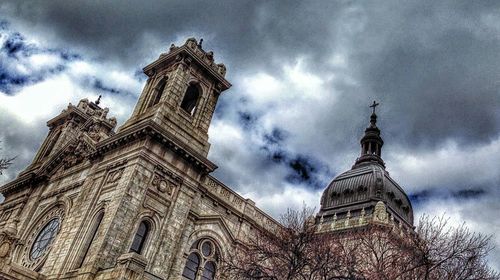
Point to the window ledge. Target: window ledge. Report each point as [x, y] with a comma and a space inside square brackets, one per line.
[132, 258]
[186, 115]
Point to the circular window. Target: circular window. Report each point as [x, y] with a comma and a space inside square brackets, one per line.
[44, 239]
[206, 248]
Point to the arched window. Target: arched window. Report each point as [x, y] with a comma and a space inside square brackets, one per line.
[202, 259]
[45, 238]
[158, 92]
[140, 237]
[192, 265]
[89, 239]
[209, 271]
[190, 99]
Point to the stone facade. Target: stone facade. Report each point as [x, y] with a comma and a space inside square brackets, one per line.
[90, 193]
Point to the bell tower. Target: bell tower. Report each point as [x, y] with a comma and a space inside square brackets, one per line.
[181, 93]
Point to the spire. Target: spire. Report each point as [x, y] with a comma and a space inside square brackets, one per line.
[371, 143]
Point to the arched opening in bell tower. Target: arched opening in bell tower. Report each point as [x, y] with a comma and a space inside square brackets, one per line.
[190, 99]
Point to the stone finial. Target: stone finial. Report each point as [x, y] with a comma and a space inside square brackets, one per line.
[334, 221]
[362, 217]
[172, 47]
[348, 218]
[221, 68]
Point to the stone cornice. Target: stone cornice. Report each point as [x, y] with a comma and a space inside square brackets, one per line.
[141, 130]
[155, 131]
[42, 172]
[20, 182]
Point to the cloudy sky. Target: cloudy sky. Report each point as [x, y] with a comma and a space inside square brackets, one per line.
[303, 75]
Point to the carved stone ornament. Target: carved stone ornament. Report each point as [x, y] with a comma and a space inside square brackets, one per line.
[4, 249]
[162, 184]
[114, 176]
[8, 240]
[380, 213]
[76, 155]
[94, 132]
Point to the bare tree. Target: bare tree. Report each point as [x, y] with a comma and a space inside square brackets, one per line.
[446, 252]
[293, 251]
[434, 250]
[5, 162]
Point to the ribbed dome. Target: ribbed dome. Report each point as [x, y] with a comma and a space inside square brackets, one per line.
[362, 187]
[357, 191]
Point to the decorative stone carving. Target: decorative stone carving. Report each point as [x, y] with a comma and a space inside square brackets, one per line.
[380, 212]
[162, 184]
[94, 132]
[114, 176]
[76, 155]
[8, 241]
[4, 249]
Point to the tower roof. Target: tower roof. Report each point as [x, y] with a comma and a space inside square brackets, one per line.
[192, 52]
[367, 183]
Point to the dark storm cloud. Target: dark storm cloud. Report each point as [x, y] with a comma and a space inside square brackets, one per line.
[248, 32]
[423, 196]
[438, 70]
[16, 71]
[306, 170]
[428, 62]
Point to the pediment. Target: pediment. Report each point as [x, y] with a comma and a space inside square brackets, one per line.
[214, 224]
[74, 153]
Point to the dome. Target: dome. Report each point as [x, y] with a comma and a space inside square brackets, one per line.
[357, 191]
[361, 188]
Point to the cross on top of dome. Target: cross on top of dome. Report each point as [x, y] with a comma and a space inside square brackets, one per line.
[374, 105]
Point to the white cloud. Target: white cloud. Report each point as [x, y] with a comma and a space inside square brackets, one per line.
[288, 196]
[449, 166]
[39, 101]
[41, 61]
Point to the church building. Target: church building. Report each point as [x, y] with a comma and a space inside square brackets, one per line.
[138, 202]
